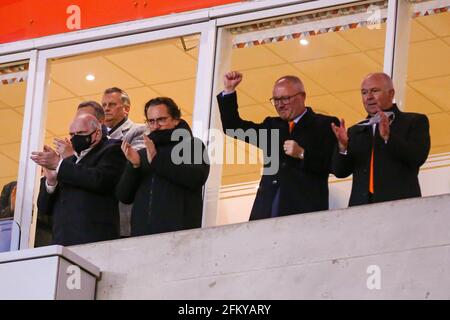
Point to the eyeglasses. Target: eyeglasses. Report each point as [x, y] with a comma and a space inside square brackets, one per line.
[372, 91]
[160, 121]
[284, 100]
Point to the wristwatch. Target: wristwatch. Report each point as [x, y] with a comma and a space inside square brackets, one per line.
[302, 155]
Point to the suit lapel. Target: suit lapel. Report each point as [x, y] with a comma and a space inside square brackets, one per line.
[362, 139]
[92, 153]
[303, 123]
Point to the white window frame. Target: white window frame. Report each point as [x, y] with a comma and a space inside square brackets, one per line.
[205, 21]
[35, 132]
[224, 19]
[23, 186]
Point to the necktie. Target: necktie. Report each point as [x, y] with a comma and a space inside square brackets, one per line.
[371, 188]
[371, 173]
[291, 126]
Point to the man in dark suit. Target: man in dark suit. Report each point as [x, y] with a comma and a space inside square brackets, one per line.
[304, 147]
[79, 191]
[115, 102]
[385, 151]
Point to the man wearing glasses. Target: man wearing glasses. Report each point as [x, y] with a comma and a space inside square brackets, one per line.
[306, 144]
[166, 190]
[385, 151]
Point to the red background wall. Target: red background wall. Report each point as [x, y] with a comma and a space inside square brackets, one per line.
[26, 19]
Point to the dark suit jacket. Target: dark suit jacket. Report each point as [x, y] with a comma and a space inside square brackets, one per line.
[396, 163]
[83, 206]
[303, 184]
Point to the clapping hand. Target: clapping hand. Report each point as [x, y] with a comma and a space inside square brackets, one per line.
[63, 147]
[341, 135]
[131, 154]
[48, 158]
[383, 126]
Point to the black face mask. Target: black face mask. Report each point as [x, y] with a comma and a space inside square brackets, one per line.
[81, 142]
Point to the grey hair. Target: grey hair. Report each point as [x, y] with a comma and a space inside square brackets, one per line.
[388, 83]
[98, 110]
[292, 79]
[94, 124]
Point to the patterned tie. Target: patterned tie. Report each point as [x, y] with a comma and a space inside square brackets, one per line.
[291, 126]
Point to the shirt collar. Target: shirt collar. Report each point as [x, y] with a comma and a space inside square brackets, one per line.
[82, 154]
[111, 130]
[297, 119]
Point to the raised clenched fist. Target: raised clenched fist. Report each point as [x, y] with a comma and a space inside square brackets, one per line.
[231, 80]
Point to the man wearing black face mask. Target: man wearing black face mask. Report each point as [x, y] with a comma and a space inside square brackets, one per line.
[117, 104]
[78, 191]
[64, 146]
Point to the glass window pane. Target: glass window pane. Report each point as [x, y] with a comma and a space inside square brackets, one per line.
[331, 50]
[145, 71]
[428, 78]
[13, 81]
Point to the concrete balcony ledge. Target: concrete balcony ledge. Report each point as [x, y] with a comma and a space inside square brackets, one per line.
[393, 250]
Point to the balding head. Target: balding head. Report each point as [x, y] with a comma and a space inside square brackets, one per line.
[382, 78]
[377, 91]
[85, 120]
[288, 97]
[293, 80]
[92, 107]
[86, 125]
